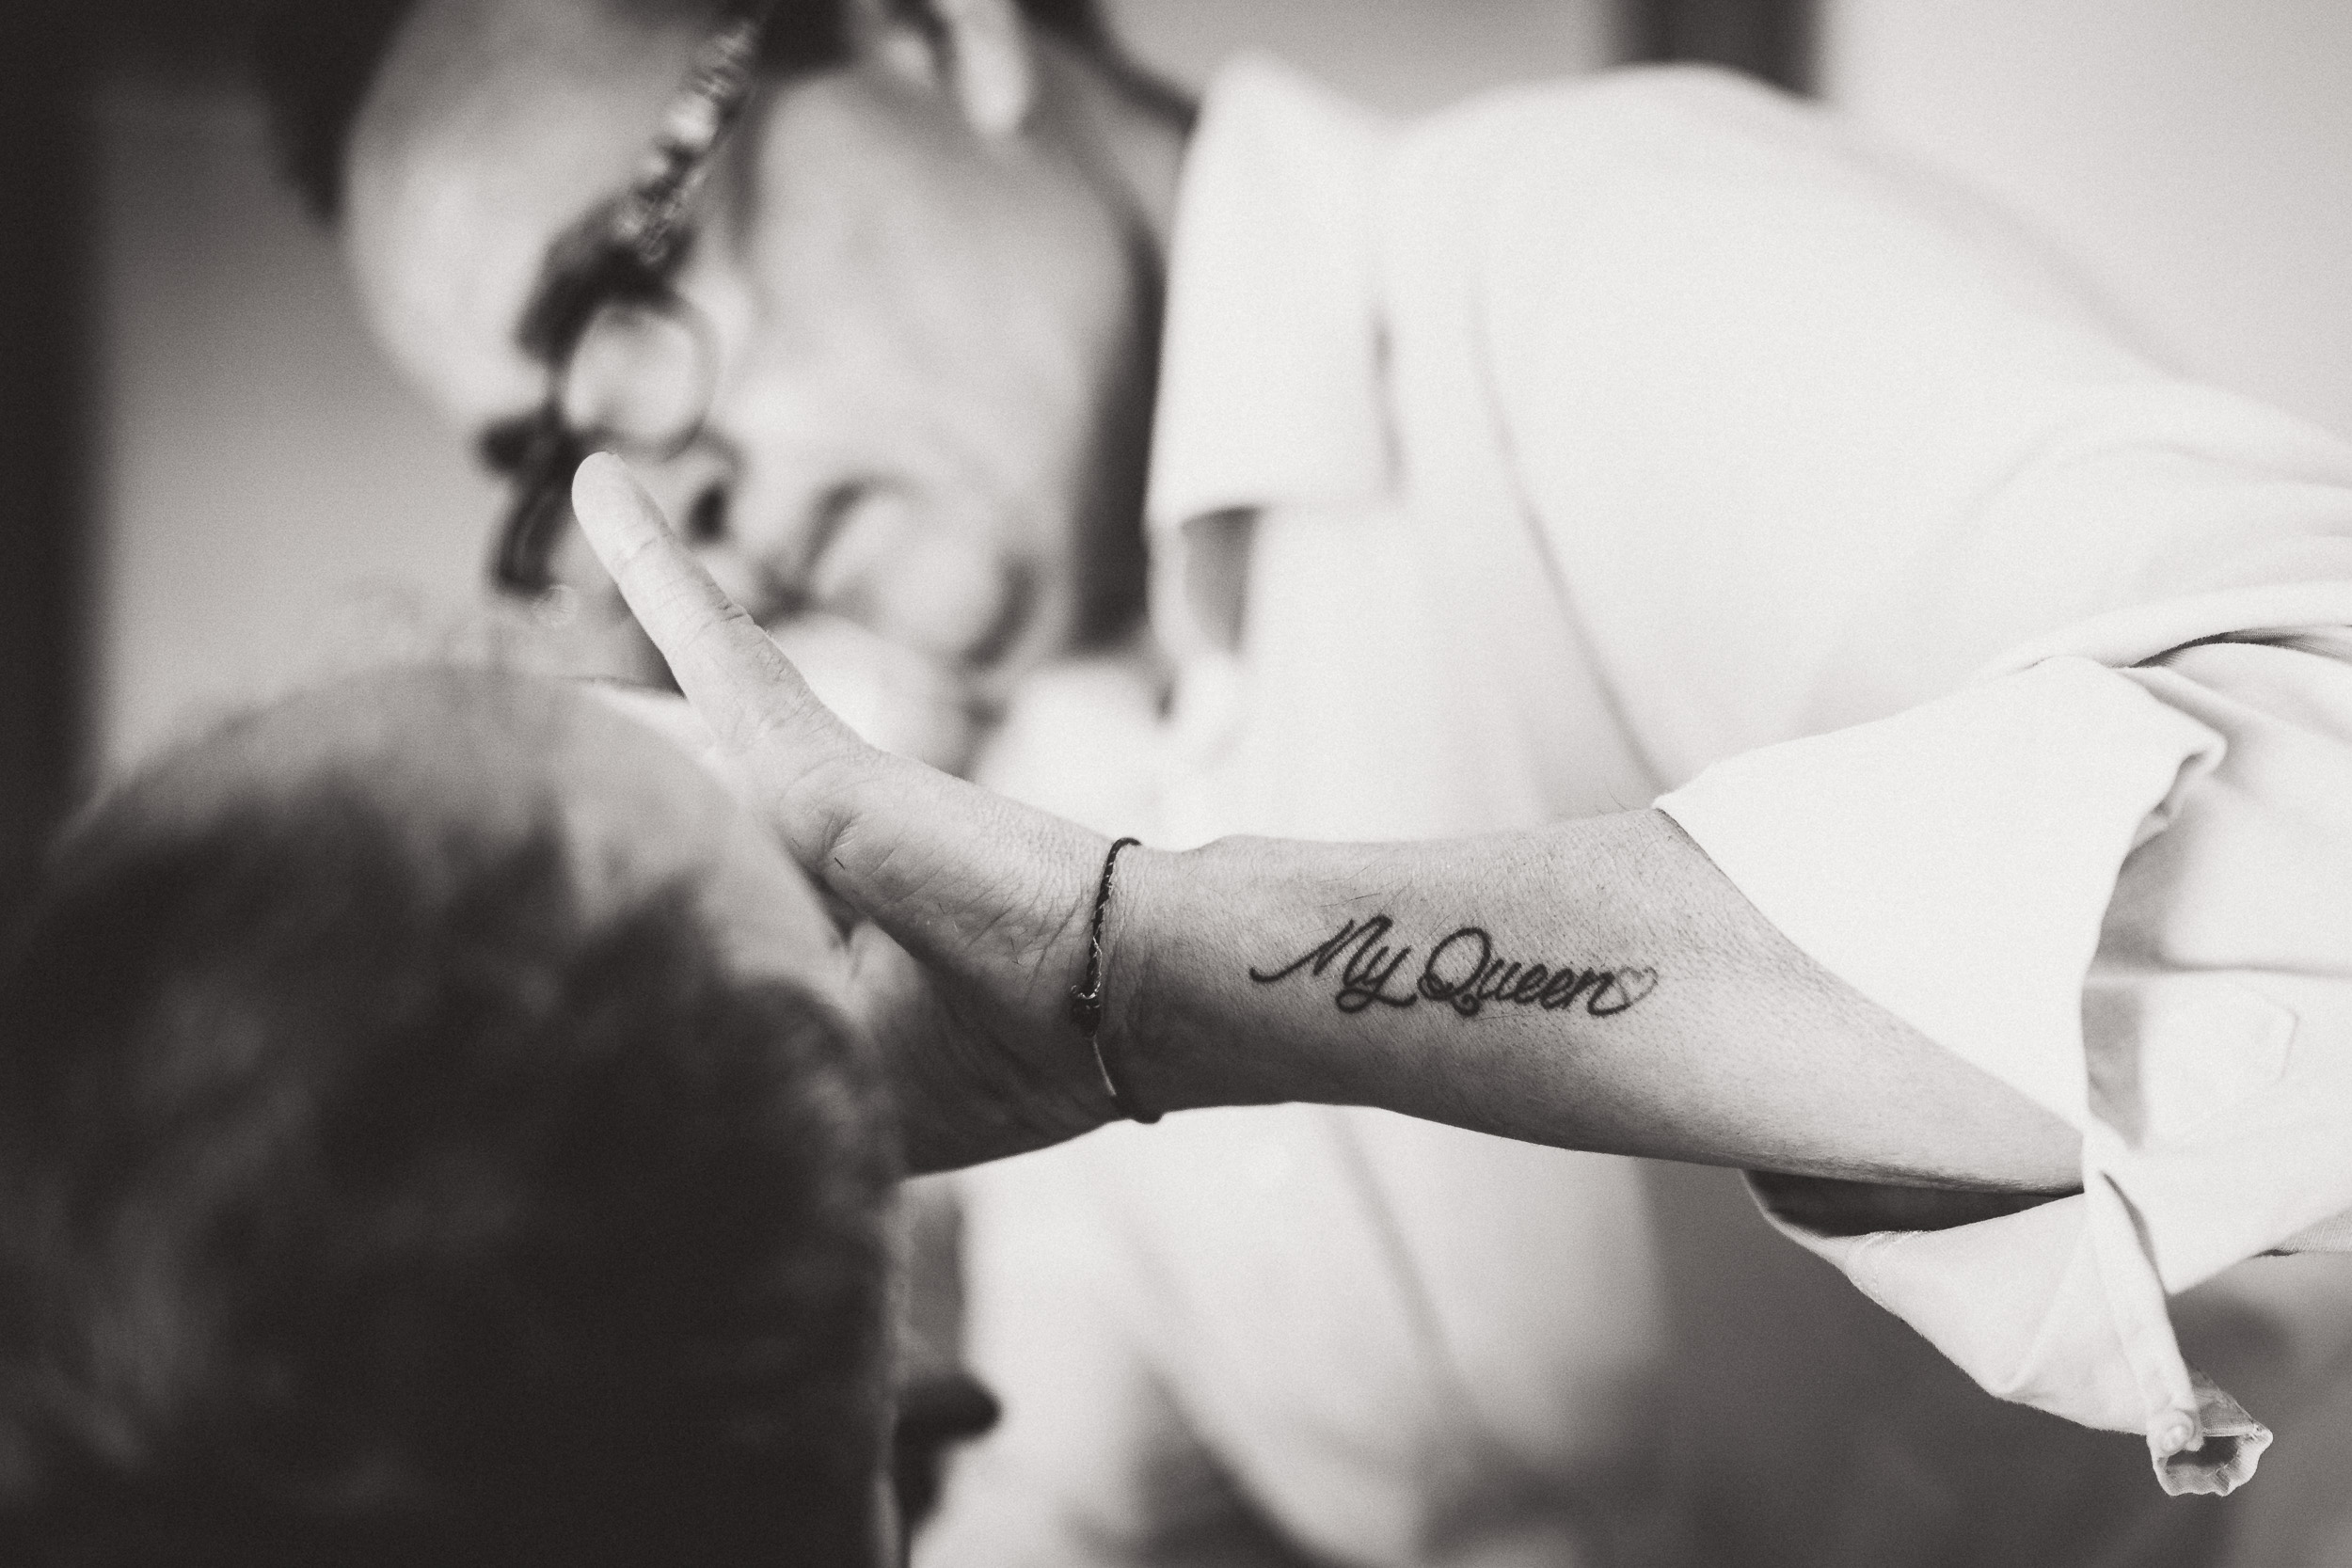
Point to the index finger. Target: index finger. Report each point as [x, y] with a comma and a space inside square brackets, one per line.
[729, 669]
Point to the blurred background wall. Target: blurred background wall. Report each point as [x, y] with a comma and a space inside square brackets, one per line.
[45, 178]
[262, 475]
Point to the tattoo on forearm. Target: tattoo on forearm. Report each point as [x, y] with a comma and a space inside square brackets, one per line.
[1461, 972]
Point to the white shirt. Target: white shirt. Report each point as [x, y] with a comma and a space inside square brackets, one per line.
[1652, 439]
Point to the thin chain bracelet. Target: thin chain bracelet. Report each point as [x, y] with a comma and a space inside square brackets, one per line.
[1085, 999]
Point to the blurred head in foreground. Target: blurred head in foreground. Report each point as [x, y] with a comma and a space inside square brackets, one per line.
[428, 1135]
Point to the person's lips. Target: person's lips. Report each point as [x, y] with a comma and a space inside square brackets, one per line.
[896, 697]
[914, 578]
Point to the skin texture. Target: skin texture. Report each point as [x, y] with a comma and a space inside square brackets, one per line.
[1717, 1041]
[932, 274]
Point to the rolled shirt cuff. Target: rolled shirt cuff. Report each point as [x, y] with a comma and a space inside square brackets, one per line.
[1955, 864]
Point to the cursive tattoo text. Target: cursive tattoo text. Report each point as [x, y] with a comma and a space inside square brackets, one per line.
[1461, 972]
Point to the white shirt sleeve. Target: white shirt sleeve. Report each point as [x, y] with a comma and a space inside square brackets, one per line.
[2003, 671]
[2127, 893]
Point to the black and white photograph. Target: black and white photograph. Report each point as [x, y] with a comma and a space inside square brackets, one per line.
[1176, 783]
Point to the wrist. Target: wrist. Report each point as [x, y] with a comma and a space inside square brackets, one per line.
[1087, 998]
[1134, 1041]
[1174, 940]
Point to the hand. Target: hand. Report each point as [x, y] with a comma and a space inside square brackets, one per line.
[976, 910]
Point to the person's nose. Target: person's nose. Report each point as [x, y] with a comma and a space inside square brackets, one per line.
[782, 473]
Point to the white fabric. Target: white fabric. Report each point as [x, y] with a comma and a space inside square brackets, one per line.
[1650, 435]
[2202, 1046]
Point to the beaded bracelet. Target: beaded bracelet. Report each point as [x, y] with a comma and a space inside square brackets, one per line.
[1085, 999]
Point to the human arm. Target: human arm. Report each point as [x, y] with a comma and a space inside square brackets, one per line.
[2062, 634]
[1700, 1033]
[1596, 984]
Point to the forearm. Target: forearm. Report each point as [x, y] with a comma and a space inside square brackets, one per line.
[1596, 984]
[1672, 1019]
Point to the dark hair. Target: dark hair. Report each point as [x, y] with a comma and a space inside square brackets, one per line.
[364, 1201]
[314, 60]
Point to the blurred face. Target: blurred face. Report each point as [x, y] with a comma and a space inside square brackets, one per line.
[930, 306]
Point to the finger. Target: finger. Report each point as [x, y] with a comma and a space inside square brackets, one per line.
[729, 669]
